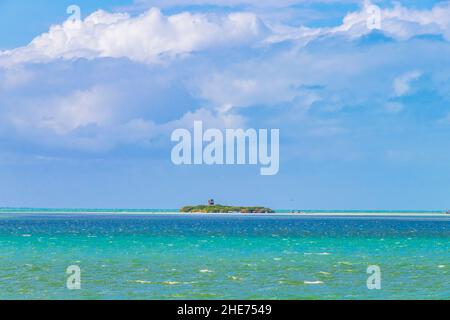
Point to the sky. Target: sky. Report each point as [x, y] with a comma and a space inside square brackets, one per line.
[87, 107]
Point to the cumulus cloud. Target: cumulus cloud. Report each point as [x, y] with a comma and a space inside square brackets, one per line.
[229, 88]
[398, 22]
[84, 119]
[63, 114]
[280, 76]
[149, 38]
[153, 37]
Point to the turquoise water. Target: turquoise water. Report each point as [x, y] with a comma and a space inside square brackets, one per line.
[100, 211]
[229, 257]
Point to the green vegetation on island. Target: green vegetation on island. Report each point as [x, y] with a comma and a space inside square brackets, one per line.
[224, 209]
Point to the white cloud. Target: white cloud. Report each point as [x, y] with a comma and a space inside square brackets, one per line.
[91, 119]
[14, 78]
[210, 119]
[248, 84]
[97, 105]
[153, 37]
[62, 115]
[148, 38]
[398, 22]
[103, 139]
[402, 84]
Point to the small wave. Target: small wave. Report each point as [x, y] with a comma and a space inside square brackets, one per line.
[317, 253]
[143, 282]
[350, 271]
[205, 271]
[165, 283]
[250, 264]
[441, 266]
[313, 282]
[26, 235]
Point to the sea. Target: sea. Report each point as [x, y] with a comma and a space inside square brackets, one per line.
[161, 254]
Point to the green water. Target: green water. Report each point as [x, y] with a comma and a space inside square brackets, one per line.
[169, 257]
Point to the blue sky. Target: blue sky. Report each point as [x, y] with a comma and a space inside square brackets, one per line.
[86, 109]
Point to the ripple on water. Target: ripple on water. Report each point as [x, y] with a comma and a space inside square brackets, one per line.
[164, 283]
[227, 262]
[313, 282]
[345, 263]
[205, 271]
[143, 282]
[317, 253]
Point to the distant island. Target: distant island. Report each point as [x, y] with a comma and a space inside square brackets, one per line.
[217, 208]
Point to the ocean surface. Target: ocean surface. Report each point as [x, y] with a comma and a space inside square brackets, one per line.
[222, 257]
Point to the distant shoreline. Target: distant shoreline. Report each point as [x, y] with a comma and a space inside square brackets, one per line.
[279, 214]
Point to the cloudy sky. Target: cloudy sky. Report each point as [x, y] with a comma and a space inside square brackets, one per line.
[87, 107]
